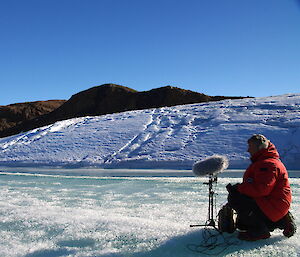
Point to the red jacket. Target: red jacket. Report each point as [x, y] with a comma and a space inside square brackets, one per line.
[266, 180]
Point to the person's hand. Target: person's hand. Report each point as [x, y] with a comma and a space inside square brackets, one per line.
[230, 188]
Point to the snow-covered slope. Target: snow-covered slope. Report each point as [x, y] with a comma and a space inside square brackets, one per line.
[171, 137]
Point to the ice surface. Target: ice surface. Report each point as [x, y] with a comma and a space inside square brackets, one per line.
[54, 215]
[141, 213]
[170, 138]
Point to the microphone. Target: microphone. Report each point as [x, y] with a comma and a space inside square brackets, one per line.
[210, 166]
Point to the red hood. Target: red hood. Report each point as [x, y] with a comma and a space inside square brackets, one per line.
[270, 152]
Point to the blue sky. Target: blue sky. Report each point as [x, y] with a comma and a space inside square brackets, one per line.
[51, 49]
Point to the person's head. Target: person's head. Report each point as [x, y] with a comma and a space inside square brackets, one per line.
[256, 143]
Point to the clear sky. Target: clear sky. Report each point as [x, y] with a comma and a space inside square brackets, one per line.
[52, 49]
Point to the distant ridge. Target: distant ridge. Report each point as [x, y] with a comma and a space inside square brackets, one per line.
[14, 114]
[107, 99]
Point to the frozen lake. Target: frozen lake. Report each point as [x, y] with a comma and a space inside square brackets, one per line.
[93, 214]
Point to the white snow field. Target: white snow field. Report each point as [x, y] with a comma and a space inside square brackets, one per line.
[50, 210]
[167, 138]
[56, 215]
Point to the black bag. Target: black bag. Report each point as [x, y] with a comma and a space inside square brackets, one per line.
[226, 219]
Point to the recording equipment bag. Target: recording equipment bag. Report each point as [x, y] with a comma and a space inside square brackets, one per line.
[226, 219]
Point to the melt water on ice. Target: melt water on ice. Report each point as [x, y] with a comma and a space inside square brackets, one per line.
[62, 215]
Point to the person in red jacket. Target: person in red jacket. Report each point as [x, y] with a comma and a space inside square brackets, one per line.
[262, 201]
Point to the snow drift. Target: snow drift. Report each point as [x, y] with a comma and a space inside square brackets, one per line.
[173, 137]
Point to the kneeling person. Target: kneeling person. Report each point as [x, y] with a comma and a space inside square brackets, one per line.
[263, 199]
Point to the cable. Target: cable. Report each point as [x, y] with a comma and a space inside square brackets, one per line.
[213, 240]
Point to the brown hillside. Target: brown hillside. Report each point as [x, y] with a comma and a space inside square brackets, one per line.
[14, 114]
[111, 98]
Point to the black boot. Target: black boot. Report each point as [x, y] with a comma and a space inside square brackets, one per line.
[287, 223]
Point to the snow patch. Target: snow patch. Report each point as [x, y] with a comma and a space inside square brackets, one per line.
[169, 137]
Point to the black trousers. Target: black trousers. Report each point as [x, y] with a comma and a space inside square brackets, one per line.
[249, 215]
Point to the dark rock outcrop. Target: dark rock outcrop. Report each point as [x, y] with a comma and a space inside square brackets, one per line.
[111, 98]
[14, 114]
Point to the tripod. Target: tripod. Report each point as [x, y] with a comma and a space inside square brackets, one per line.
[213, 243]
[211, 204]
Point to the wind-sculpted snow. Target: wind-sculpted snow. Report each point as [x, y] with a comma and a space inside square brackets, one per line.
[47, 216]
[173, 137]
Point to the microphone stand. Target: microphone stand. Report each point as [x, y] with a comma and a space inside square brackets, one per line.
[211, 205]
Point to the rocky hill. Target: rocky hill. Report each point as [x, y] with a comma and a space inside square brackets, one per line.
[14, 114]
[104, 99]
